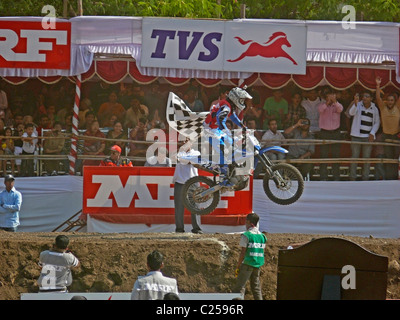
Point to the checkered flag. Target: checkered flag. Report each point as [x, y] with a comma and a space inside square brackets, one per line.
[184, 120]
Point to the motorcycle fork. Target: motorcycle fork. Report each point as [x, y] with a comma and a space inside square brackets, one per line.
[275, 175]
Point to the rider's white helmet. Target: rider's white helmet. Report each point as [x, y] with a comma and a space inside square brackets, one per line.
[238, 96]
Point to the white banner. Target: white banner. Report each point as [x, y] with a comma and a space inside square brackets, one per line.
[265, 48]
[223, 46]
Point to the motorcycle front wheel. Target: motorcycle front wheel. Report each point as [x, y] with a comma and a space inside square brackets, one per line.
[191, 200]
[286, 184]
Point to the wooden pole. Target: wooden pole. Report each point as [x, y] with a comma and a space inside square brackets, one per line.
[65, 8]
[80, 8]
[242, 11]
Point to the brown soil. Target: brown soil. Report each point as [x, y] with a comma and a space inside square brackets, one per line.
[200, 263]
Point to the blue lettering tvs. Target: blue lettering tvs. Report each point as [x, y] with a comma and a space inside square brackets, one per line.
[187, 46]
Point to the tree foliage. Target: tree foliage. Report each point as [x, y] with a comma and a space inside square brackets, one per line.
[372, 10]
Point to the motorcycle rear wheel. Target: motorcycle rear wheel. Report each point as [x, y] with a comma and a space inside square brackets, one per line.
[285, 186]
[201, 206]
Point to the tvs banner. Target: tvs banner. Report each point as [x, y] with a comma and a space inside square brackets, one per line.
[224, 46]
[145, 191]
[27, 45]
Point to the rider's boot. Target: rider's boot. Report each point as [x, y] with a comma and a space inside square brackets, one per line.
[226, 182]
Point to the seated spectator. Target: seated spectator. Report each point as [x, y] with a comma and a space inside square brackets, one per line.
[112, 106]
[117, 133]
[68, 108]
[301, 131]
[53, 146]
[99, 93]
[115, 160]
[18, 118]
[7, 145]
[160, 159]
[135, 111]
[51, 114]
[154, 285]
[251, 123]
[139, 133]
[90, 116]
[44, 124]
[93, 147]
[84, 107]
[275, 107]
[67, 127]
[194, 104]
[29, 139]
[109, 124]
[296, 111]
[272, 137]
[125, 94]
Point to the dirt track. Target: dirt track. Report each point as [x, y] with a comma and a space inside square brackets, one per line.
[200, 263]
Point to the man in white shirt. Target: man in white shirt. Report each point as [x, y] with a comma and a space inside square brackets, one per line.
[154, 285]
[56, 267]
[183, 172]
[272, 137]
[29, 138]
[310, 104]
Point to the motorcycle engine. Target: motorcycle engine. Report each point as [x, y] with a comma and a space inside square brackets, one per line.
[240, 182]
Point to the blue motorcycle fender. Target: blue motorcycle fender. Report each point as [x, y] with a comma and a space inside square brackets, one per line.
[273, 148]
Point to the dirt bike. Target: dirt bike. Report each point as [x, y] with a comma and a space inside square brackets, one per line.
[282, 182]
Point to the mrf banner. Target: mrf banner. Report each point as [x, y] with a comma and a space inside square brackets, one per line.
[25, 44]
[224, 45]
[145, 191]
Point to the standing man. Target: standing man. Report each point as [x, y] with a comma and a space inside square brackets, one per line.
[56, 267]
[275, 107]
[183, 172]
[10, 205]
[251, 257]
[329, 123]
[154, 285]
[310, 104]
[390, 116]
[366, 122]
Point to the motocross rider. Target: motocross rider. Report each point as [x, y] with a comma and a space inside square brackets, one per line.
[215, 124]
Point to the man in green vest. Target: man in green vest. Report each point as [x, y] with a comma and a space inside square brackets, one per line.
[251, 258]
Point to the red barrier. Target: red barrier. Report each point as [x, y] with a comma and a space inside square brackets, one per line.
[145, 195]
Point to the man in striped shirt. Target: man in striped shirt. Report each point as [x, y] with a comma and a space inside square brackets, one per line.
[365, 124]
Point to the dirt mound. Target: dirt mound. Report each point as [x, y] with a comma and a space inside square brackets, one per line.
[200, 263]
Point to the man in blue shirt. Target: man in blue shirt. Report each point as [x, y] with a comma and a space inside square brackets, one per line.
[10, 205]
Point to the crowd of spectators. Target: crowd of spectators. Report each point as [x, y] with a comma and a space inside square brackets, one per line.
[39, 116]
